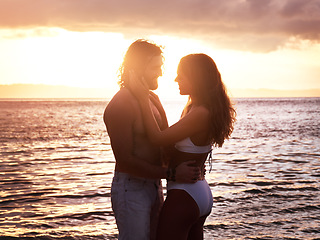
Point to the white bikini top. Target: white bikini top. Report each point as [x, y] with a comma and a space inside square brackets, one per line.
[186, 145]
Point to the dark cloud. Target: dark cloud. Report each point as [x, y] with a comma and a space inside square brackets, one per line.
[253, 24]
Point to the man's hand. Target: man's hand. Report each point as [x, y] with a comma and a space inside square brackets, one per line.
[186, 173]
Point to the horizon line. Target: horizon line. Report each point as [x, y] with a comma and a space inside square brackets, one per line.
[30, 90]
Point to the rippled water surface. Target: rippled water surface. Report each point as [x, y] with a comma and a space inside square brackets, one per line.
[56, 169]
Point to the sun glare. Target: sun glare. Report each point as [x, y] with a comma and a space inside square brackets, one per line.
[68, 58]
[55, 56]
[173, 50]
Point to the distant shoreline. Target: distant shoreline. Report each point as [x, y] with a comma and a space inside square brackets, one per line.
[42, 91]
[166, 101]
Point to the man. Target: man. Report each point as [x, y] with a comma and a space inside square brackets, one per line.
[136, 192]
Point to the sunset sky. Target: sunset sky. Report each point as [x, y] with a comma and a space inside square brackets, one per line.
[269, 44]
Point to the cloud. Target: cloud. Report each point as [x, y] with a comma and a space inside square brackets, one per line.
[260, 25]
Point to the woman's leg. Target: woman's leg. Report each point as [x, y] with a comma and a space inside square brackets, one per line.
[179, 213]
[196, 231]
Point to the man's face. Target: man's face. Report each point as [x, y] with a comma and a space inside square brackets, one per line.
[152, 71]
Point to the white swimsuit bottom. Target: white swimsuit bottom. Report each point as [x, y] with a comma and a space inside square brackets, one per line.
[199, 191]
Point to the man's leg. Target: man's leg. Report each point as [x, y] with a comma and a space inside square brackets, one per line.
[155, 211]
[131, 203]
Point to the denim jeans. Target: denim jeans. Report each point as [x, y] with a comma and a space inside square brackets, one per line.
[136, 204]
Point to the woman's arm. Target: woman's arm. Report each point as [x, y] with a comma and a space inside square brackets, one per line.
[156, 101]
[194, 122]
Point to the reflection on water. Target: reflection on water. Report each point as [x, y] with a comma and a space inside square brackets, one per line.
[56, 169]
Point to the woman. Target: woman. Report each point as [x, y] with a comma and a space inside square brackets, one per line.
[207, 120]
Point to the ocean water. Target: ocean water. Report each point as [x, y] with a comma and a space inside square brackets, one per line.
[56, 167]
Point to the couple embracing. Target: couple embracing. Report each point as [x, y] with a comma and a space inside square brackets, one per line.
[147, 150]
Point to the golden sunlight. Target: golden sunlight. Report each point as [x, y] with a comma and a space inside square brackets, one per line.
[65, 58]
[173, 50]
[90, 60]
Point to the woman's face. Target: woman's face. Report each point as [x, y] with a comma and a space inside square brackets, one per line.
[184, 83]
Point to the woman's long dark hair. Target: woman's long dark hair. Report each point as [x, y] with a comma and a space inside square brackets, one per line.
[205, 78]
